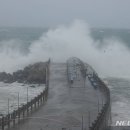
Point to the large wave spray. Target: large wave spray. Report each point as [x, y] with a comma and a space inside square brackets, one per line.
[112, 59]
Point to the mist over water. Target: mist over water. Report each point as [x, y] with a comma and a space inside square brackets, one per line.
[109, 59]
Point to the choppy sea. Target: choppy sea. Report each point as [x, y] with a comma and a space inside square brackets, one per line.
[22, 46]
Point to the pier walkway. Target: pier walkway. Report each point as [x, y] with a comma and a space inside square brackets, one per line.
[68, 107]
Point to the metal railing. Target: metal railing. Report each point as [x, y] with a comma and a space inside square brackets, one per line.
[104, 115]
[11, 119]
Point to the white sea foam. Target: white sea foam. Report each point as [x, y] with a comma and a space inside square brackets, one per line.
[112, 59]
[120, 110]
[120, 98]
[10, 91]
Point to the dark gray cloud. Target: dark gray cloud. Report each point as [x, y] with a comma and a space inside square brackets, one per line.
[98, 13]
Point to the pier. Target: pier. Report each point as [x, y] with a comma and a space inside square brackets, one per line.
[76, 99]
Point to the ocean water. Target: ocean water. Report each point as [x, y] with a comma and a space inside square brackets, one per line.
[9, 94]
[119, 85]
[107, 50]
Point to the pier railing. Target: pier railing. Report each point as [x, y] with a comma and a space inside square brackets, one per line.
[11, 119]
[104, 115]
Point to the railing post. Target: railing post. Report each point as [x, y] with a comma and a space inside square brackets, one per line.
[31, 106]
[35, 103]
[18, 115]
[13, 118]
[27, 110]
[8, 121]
[3, 123]
[43, 99]
[98, 106]
[23, 111]
[27, 101]
[38, 101]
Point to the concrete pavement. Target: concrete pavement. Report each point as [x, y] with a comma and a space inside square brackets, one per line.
[70, 107]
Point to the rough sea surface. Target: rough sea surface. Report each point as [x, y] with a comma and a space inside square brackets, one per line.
[22, 46]
[17, 93]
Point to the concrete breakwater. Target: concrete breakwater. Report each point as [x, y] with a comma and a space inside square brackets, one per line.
[23, 112]
[81, 104]
[103, 120]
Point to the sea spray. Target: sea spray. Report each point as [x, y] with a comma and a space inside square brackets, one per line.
[111, 59]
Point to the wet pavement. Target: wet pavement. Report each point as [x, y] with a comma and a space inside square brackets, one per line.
[69, 107]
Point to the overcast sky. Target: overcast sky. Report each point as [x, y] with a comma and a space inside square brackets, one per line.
[97, 13]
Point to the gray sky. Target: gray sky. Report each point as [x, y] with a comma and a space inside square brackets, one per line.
[98, 13]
